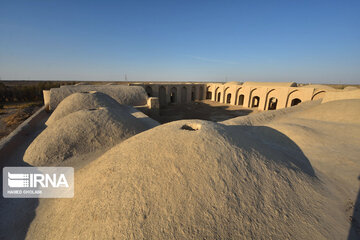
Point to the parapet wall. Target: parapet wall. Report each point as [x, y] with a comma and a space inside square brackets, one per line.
[174, 92]
[127, 95]
[262, 96]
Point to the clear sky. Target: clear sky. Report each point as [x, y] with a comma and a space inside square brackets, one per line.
[187, 40]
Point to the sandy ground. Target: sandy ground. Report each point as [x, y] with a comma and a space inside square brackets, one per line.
[12, 115]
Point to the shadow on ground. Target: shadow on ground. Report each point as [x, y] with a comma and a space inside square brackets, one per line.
[354, 232]
[16, 214]
[203, 110]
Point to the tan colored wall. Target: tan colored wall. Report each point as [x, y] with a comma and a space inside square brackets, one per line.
[46, 95]
[183, 92]
[285, 93]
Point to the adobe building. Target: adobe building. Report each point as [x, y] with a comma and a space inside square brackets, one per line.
[260, 95]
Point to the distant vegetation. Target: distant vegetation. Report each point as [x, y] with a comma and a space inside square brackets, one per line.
[26, 92]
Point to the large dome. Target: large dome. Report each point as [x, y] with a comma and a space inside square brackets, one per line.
[191, 180]
[81, 132]
[80, 101]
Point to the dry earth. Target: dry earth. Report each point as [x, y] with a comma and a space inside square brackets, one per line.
[12, 115]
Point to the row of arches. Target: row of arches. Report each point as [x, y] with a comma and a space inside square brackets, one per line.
[258, 97]
[174, 95]
[228, 97]
[254, 98]
[177, 94]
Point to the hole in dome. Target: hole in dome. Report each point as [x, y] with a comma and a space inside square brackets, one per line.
[191, 127]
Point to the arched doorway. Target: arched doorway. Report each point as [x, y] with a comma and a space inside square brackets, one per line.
[272, 103]
[216, 94]
[148, 90]
[208, 93]
[253, 93]
[225, 95]
[193, 94]
[255, 101]
[201, 93]
[228, 98]
[241, 100]
[183, 95]
[319, 95]
[173, 95]
[219, 97]
[295, 102]
[162, 96]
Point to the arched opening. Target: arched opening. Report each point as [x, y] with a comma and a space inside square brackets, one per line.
[296, 94]
[216, 94]
[272, 103]
[319, 95]
[253, 93]
[162, 96]
[183, 94]
[201, 93]
[295, 102]
[173, 95]
[225, 95]
[219, 97]
[148, 90]
[208, 93]
[255, 102]
[237, 96]
[193, 94]
[241, 100]
[228, 98]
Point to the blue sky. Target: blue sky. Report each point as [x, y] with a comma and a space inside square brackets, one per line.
[293, 40]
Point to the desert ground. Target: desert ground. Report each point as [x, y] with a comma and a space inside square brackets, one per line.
[291, 173]
[12, 115]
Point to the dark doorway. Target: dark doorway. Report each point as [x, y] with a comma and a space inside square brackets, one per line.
[241, 100]
[295, 102]
[173, 95]
[272, 103]
[218, 97]
[162, 96]
[201, 93]
[148, 90]
[255, 101]
[228, 98]
[193, 94]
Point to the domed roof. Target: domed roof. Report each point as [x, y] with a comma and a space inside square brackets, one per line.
[82, 101]
[187, 180]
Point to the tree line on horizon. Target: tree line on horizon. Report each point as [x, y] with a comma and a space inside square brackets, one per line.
[27, 93]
